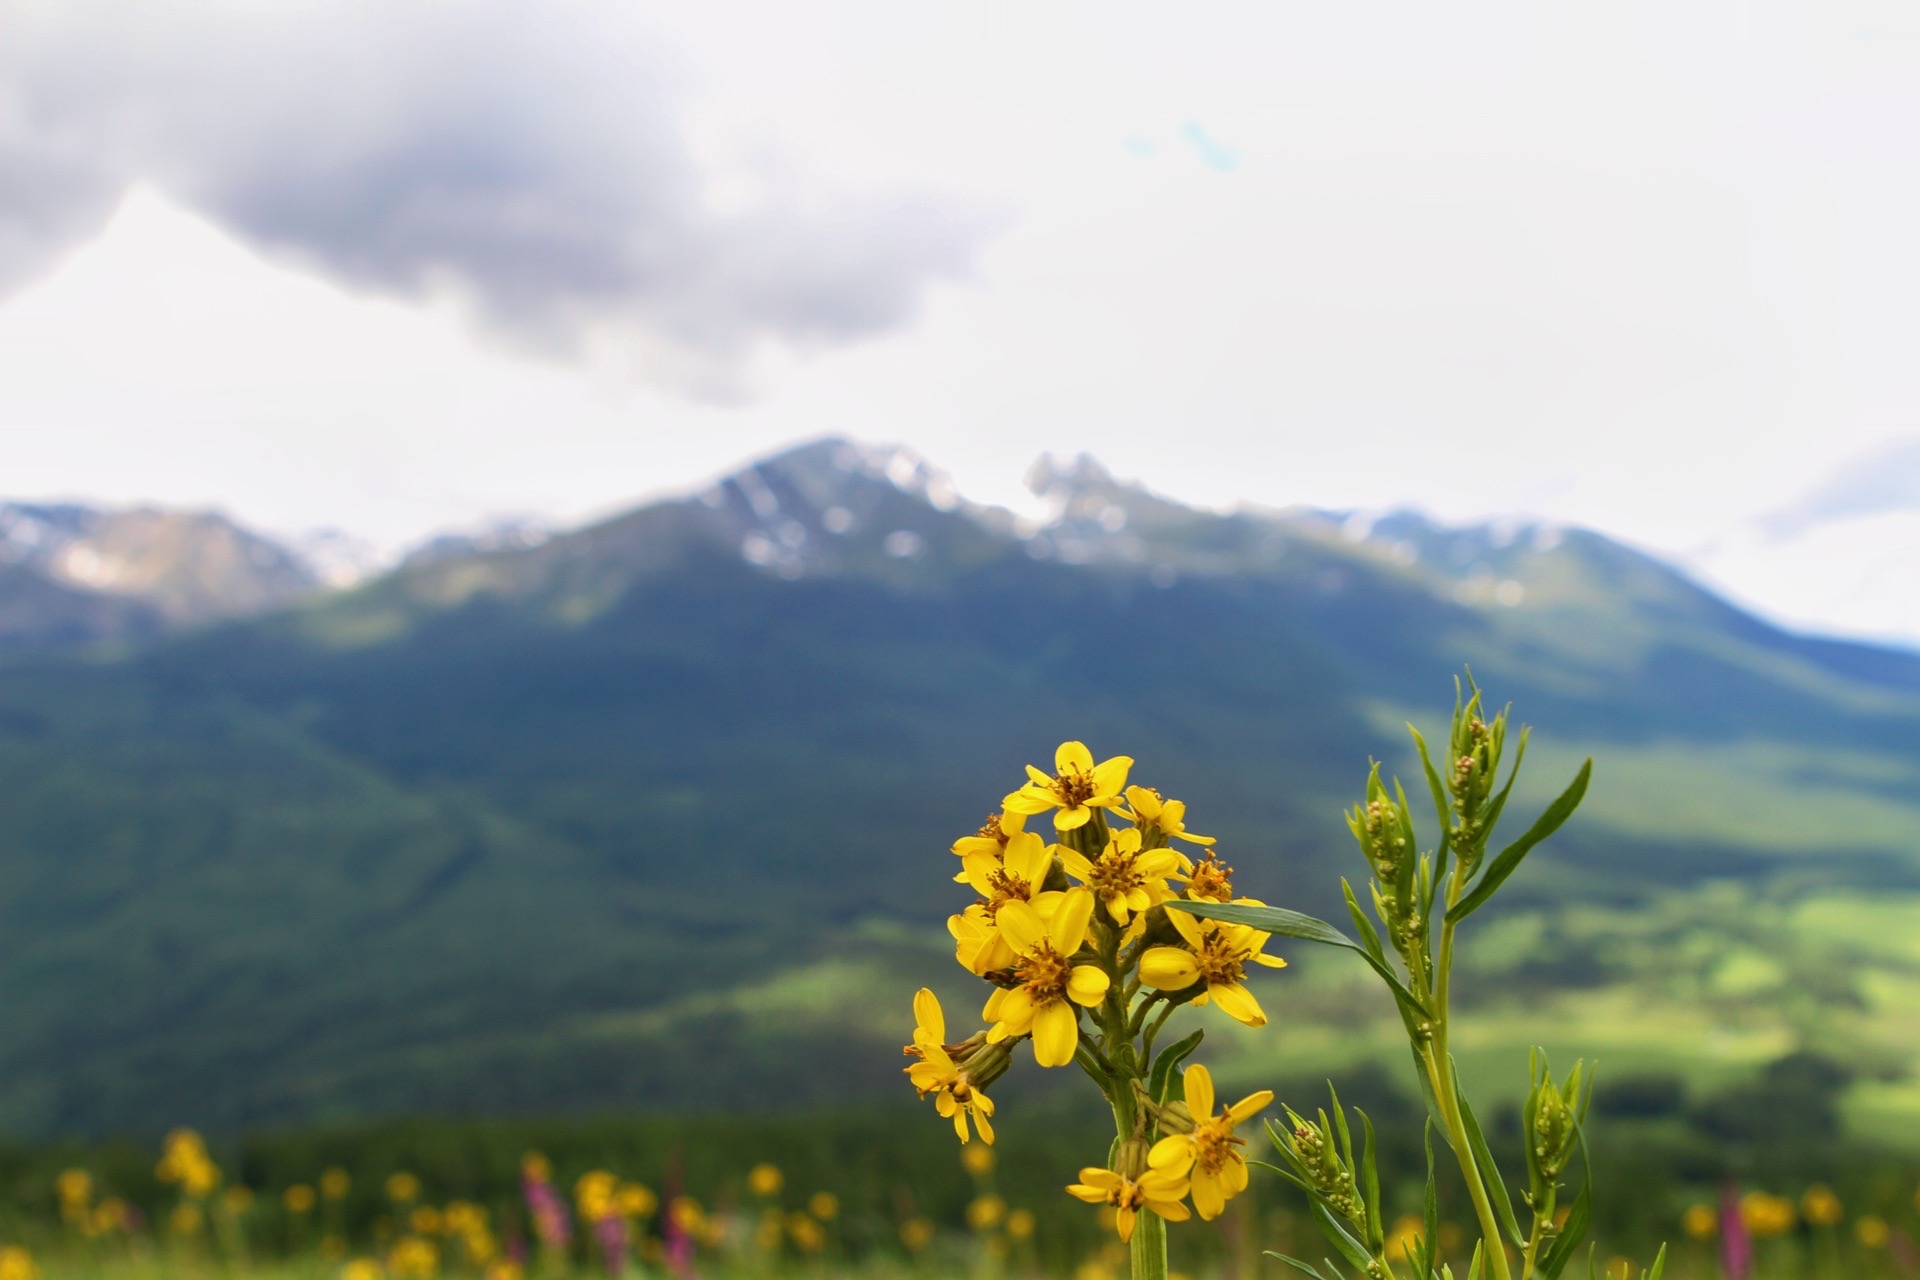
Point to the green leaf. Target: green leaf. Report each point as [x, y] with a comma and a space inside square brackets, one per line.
[1509, 858]
[1441, 810]
[1483, 1158]
[1160, 1079]
[1369, 936]
[1478, 1269]
[1500, 801]
[1659, 1264]
[1370, 1183]
[1292, 924]
[1306, 1268]
[1339, 1237]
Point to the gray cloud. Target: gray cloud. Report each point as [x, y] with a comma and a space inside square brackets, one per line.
[527, 158]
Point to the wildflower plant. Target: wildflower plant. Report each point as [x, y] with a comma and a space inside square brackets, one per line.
[1092, 939]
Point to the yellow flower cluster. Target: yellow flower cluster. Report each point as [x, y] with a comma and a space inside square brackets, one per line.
[17, 1264]
[184, 1163]
[1087, 960]
[600, 1195]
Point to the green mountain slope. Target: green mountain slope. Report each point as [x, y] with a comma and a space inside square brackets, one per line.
[655, 812]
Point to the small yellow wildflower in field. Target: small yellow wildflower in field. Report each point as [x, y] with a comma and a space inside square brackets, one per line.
[1020, 1224]
[298, 1198]
[1700, 1222]
[993, 835]
[504, 1269]
[1820, 1207]
[1766, 1215]
[1126, 878]
[184, 1162]
[74, 1188]
[765, 1180]
[1078, 787]
[824, 1205]
[17, 1264]
[412, 1258]
[961, 1094]
[1872, 1231]
[362, 1269]
[186, 1220]
[986, 1212]
[593, 1195]
[977, 1161]
[635, 1201]
[806, 1234]
[916, 1234]
[334, 1184]
[425, 1220]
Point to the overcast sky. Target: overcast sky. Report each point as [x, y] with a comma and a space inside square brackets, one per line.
[397, 267]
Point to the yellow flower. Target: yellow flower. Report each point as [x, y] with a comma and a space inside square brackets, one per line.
[765, 1179]
[1219, 956]
[1208, 880]
[362, 1269]
[1159, 1190]
[1169, 817]
[1078, 787]
[17, 1264]
[1219, 1170]
[297, 1198]
[824, 1205]
[992, 836]
[75, 1189]
[334, 1184]
[916, 1234]
[985, 1213]
[1049, 983]
[635, 1201]
[1871, 1231]
[1766, 1215]
[412, 1258]
[1020, 1224]
[593, 1193]
[1700, 1221]
[1124, 878]
[959, 1099]
[504, 1269]
[1017, 876]
[1820, 1207]
[978, 1161]
[403, 1187]
[426, 1221]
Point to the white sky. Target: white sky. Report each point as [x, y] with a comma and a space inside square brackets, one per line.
[1646, 267]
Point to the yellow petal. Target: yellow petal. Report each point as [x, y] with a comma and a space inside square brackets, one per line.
[1189, 927]
[980, 1115]
[1271, 962]
[1199, 1085]
[926, 1012]
[995, 1003]
[1110, 776]
[1027, 858]
[1056, 1032]
[1070, 819]
[1016, 1011]
[1103, 1180]
[1208, 1196]
[945, 1104]
[1156, 864]
[1075, 862]
[1238, 1003]
[1248, 1105]
[1020, 925]
[1028, 800]
[1169, 968]
[1087, 985]
[978, 871]
[1068, 928]
[1171, 1210]
[1073, 756]
[1123, 1223]
[1092, 1195]
[1125, 842]
[1233, 1176]
[960, 1124]
[1172, 1154]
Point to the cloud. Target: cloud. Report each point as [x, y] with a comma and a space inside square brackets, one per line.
[1883, 482]
[531, 160]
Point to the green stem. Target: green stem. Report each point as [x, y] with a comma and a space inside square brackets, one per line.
[1440, 1073]
[1149, 1247]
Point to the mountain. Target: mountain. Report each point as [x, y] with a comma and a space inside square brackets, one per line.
[655, 812]
[75, 575]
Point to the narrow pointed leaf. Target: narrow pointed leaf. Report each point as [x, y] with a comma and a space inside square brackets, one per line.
[1483, 1158]
[1339, 1237]
[1292, 924]
[1160, 1080]
[1509, 858]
